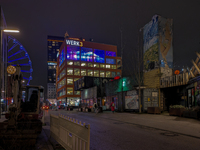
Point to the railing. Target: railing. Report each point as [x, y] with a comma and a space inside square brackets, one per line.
[175, 80]
[70, 133]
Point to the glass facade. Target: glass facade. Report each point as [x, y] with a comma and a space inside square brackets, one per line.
[69, 62]
[110, 61]
[69, 71]
[76, 71]
[62, 83]
[76, 63]
[86, 54]
[83, 72]
[102, 73]
[107, 73]
[109, 53]
[90, 72]
[62, 57]
[96, 73]
[73, 52]
[99, 56]
[69, 91]
[69, 81]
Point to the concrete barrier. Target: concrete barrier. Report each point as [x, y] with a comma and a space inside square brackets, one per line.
[70, 133]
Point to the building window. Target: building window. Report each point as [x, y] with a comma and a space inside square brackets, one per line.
[118, 66]
[62, 83]
[90, 72]
[76, 92]
[107, 73]
[107, 66]
[118, 62]
[102, 74]
[110, 61]
[96, 73]
[69, 91]
[76, 63]
[113, 74]
[109, 53]
[96, 65]
[62, 57]
[118, 74]
[69, 81]
[86, 54]
[69, 71]
[75, 79]
[83, 72]
[83, 64]
[73, 52]
[76, 72]
[113, 66]
[62, 74]
[102, 66]
[90, 65]
[69, 62]
[99, 56]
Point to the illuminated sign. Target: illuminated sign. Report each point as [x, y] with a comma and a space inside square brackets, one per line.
[176, 72]
[74, 43]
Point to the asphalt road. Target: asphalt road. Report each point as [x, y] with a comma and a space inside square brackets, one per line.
[124, 131]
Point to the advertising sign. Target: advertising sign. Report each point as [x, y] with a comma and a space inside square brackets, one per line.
[131, 102]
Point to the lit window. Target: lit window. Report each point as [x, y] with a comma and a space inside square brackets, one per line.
[110, 61]
[96, 65]
[96, 73]
[69, 91]
[69, 71]
[118, 66]
[75, 79]
[102, 66]
[83, 64]
[107, 66]
[76, 72]
[102, 73]
[61, 83]
[69, 81]
[69, 62]
[90, 72]
[83, 72]
[113, 66]
[90, 65]
[107, 73]
[118, 62]
[77, 63]
[76, 92]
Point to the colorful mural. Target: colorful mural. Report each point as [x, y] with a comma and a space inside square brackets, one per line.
[150, 39]
[157, 48]
[165, 42]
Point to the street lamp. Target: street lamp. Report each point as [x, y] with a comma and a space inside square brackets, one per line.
[5, 31]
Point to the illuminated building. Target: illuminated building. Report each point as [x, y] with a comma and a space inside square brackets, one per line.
[78, 58]
[53, 45]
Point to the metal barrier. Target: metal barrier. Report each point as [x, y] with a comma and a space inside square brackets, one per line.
[70, 133]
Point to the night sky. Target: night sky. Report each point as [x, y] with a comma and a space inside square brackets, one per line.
[100, 20]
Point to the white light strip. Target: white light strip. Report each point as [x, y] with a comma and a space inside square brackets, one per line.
[14, 31]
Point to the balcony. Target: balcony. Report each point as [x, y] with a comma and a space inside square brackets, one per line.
[175, 80]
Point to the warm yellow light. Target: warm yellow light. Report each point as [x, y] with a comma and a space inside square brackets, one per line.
[13, 31]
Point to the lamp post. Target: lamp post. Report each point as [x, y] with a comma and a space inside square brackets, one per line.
[3, 48]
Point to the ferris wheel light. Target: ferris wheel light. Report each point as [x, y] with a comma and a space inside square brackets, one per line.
[13, 31]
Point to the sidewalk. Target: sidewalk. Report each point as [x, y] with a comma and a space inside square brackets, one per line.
[179, 125]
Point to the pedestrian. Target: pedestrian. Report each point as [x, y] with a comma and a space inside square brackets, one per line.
[95, 107]
[112, 106]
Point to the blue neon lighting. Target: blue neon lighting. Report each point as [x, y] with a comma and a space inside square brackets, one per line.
[86, 54]
[99, 56]
[12, 47]
[17, 59]
[15, 54]
[73, 52]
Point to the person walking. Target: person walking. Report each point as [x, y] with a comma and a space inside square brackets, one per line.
[95, 107]
[112, 106]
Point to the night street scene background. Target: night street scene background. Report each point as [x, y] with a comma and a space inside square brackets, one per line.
[116, 74]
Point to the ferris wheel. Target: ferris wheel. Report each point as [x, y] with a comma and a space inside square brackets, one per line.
[17, 55]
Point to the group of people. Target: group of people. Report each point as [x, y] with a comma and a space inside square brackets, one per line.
[96, 107]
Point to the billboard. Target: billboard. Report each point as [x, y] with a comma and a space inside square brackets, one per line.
[157, 43]
[131, 100]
